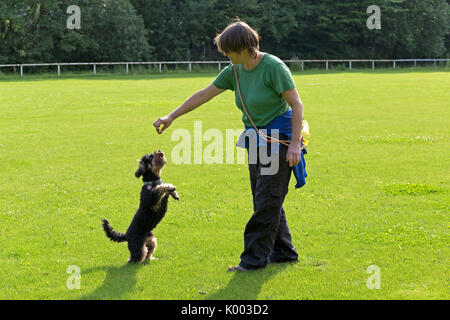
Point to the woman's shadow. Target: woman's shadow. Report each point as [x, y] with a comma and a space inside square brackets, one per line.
[247, 285]
[118, 281]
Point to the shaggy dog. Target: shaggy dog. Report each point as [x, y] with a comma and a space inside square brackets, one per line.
[152, 208]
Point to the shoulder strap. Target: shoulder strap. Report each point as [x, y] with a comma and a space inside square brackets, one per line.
[262, 135]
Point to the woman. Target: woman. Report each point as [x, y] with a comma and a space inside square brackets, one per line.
[272, 101]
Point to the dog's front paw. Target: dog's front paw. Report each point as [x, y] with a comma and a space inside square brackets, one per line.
[175, 195]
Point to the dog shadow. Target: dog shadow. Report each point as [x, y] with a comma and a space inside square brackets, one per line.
[118, 281]
[247, 285]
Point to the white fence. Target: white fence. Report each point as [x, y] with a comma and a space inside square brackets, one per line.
[218, 63]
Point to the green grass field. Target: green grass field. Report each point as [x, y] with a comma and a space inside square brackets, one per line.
[377, 191]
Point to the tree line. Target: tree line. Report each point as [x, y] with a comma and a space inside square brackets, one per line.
[33, 31]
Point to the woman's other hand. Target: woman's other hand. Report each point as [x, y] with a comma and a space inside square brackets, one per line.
[294, 152]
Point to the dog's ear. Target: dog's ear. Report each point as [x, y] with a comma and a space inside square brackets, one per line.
[140, 171]
[145, 164]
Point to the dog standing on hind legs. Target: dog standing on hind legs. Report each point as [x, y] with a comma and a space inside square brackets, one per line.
[152, 208]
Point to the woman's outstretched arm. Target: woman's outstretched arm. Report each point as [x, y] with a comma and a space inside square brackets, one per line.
[193, 102]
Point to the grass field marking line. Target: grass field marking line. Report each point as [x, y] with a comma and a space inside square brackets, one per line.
[74, 280]
[374, 281]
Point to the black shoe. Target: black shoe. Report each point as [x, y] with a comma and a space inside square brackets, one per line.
[236, 268]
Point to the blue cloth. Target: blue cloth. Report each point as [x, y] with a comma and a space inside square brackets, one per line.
[284, 125]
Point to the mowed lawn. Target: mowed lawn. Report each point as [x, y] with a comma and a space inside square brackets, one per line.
[377, 191]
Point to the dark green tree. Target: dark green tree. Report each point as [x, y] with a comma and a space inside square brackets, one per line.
[35, 31]
[136, 30]
[410, 29]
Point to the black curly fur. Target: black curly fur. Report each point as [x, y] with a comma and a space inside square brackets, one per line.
[152, 208]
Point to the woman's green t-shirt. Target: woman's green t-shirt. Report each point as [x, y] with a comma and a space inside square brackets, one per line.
[261, 88]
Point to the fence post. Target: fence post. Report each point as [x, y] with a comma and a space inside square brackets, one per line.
[190, 66]
[59, 70]
[326, 64]
[303, 65]
[219, 66]
[435, 62]
[160, 67]
[21, 70]
[373, 64]
[415, 63]
[95, 69]
[350, 64]
[126, 68]
[393, 64]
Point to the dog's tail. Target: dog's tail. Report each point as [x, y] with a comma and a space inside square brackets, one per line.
[111, 233]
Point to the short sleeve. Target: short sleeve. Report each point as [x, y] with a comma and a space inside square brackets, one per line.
[225, 79]
[281, 78]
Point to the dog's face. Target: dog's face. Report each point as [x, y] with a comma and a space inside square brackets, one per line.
[150, 165]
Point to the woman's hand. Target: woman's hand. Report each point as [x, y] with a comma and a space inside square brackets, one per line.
[293, 155]
[164, 122]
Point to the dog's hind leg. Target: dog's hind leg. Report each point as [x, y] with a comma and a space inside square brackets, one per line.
[138, 251]
[151, 244]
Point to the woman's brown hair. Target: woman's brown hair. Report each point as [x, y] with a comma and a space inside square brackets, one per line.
[237, 37]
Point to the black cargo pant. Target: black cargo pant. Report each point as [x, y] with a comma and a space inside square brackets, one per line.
[267, 237]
